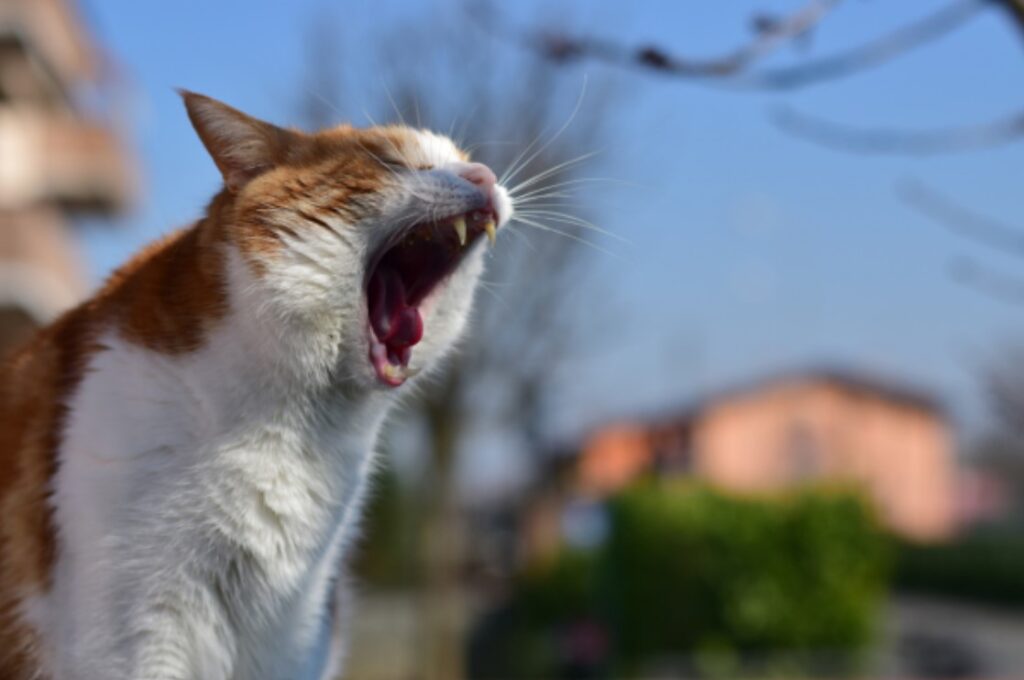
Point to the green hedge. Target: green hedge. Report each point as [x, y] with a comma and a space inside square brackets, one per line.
[985, 568]
[691, 572]
[693, 568]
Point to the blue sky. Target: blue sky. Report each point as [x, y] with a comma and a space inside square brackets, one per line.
[750, 251]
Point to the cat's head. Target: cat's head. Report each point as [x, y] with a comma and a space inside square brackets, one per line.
[369, 241]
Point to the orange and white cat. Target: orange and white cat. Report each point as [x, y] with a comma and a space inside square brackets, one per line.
[182, 457]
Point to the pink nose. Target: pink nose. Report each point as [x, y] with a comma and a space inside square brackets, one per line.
[477, 173]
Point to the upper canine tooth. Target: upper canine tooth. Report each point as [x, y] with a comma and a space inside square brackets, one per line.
[460, 229]
[492, 232]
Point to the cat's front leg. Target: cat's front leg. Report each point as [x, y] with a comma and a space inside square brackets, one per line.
[167, 660]
[180, 638]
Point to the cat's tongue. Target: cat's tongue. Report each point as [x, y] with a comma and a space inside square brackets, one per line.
[396, 324]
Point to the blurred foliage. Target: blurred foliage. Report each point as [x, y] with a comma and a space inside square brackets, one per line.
[723, 581]
[985, 567]
[696, 568]
[386, 554]
[564, 588]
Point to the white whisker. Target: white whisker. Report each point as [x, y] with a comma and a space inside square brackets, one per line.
[512, 166]
[523, 235]
[547, 205]
[460, 133]
[324, 100]
[572, 219]
[544, 227]
[565, 126]
[550, 171]
[573, 182]
[398, 152]
[489, 287]
[529, 200]
[394, 106]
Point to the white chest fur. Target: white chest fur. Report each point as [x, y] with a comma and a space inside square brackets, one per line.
[202, 503]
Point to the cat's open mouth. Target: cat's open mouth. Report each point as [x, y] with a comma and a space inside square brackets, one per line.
[404, 274]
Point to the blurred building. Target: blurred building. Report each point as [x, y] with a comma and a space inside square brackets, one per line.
[57, 162]
[769, 436]
[984, 496]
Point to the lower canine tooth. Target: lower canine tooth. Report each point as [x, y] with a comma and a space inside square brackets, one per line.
[492, 232]
[460, 229]
[395, 372]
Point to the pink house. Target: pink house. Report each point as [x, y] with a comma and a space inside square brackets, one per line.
[794, 429]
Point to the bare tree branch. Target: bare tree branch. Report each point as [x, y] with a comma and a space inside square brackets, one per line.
[998, 286]
[981, 228]
[1004, 383]
[869, 55]
[519, 331]
[1015, 9]
[770, 34]
[322, 85]
[889, 141]
[732, 71]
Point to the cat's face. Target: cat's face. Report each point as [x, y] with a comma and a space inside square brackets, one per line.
[369, 240]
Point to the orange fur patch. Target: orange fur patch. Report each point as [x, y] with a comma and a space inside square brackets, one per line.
[163, 300]
[32, 412]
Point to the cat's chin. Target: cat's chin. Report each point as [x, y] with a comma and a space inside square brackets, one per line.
[406, 272]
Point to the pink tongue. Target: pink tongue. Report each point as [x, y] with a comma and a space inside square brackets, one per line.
[395, 324]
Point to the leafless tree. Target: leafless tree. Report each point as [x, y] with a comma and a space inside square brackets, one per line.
[517, 114]
[740, 70]
[1001, 451]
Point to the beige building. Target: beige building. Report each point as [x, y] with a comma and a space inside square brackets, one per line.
[791, 430]
[57, 161]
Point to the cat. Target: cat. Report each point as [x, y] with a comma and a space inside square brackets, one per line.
[183, 456]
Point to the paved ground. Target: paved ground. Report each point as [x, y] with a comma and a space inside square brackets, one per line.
[921, 638]
[925, 637]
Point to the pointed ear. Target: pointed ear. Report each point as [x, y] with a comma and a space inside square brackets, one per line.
[241, 146]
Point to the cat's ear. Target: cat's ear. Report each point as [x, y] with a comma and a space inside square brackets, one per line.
[241, 146]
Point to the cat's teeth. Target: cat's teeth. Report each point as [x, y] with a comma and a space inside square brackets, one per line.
[399, 373]
[460, 229]
[492, 232]
[396, 373]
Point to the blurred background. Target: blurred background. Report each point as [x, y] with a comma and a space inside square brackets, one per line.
[745, 389]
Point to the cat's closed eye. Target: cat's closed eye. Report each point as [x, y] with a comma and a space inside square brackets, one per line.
[405, 165]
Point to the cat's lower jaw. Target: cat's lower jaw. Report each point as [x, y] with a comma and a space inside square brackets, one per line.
[405, 274]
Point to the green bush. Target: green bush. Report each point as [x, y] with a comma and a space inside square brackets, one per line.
[565, 588]
[693, 569]
[986, 568]
[691, 572]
